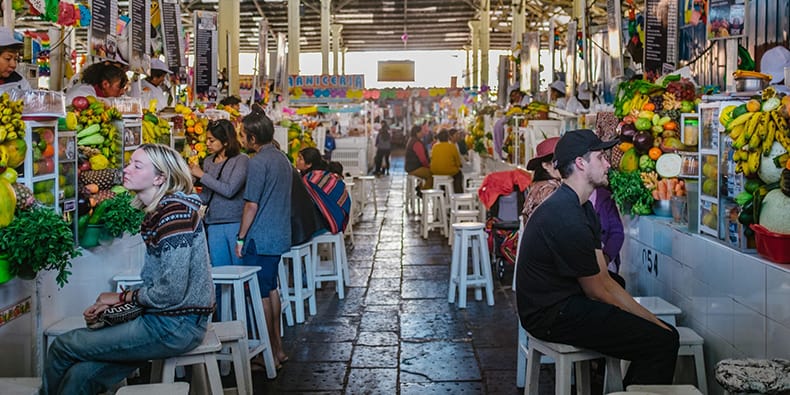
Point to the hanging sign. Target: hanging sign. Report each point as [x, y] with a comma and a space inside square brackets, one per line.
[172, 41]
[726, 19]
[104, 21]
[139, 35]
[396, 70]
[661, 37]
[205, 80]
[326, 81]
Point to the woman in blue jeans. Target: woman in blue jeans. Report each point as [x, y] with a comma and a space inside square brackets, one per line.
[177, 292]
[223, 176]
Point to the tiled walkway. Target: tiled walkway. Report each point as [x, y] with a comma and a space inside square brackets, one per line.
[395, 332]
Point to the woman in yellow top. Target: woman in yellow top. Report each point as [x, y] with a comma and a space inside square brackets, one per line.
[446, 160]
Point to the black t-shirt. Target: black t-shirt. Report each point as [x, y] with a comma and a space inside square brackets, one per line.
[558, 247]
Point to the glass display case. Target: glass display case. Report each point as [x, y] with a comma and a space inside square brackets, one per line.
[67, 178]
[40, 169]
[708, 161]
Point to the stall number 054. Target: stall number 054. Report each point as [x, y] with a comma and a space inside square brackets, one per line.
[650, 259]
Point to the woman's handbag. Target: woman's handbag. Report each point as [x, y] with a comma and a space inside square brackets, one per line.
[204, 208]
[117, 315]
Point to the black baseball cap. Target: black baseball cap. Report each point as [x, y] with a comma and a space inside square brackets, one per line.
[576, 143]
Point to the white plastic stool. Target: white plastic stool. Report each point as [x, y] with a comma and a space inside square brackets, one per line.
[444, 183]
[458, 216]
[20, 385]
[204, 354]
[176, 388]
[352, 212]
[367, 191]
[470, 234]
[433, 211]
[691, 346]
[522, 350]
[566, 357]
[665, 389]
[412, 201]
[124, 280]
[463, 201]
[480, 206]
[337, 269]
[301, 268]
[232, 280]
[233, 335]
[67, 324]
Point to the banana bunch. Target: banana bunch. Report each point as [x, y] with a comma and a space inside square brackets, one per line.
[753, 134]
[12, 126]
[635, 104]
[750, 74]
[155, 129]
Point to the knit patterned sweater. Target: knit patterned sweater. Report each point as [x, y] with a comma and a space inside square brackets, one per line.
[177, 271]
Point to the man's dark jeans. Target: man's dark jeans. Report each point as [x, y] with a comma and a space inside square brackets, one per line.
[604, 328]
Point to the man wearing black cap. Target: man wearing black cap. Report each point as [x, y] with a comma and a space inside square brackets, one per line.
[564, 292]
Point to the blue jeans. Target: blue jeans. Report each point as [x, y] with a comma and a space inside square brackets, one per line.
[86, 361]
[222, 244]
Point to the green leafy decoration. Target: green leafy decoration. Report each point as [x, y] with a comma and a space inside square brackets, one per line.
[119, 216]
[38, 239]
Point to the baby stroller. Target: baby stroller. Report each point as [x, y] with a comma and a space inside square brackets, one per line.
[503, 195]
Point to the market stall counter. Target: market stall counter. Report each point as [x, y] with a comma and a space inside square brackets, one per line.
[37, 304]
[736, 301]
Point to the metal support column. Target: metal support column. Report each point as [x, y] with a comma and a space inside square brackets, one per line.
[325, 33]
[293, 37]
[228, 34]
[336, 29]
[485, 38]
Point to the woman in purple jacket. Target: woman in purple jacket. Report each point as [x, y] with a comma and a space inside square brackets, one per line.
[612, 235]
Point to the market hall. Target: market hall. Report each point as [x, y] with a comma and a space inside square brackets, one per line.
[610, 180]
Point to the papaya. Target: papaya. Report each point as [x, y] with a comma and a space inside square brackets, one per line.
[7, 203]
[16, 152]
[630, 161]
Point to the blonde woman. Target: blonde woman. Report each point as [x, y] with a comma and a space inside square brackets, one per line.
[177, 292]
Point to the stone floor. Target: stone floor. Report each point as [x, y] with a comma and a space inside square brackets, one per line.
[395, 332]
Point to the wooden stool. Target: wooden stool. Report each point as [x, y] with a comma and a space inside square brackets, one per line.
[176, 388]
[470, 234]
[204, 354]
[232, 280]
[20, 385]
[337, 270]
[303, 288]
[412, 201]
[233, 335]
[565, 357]
[691, 346]
[434, 213]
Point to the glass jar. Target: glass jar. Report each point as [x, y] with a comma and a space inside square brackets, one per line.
[691, 132]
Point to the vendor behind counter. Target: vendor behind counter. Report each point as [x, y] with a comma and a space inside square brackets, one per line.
[10, 51]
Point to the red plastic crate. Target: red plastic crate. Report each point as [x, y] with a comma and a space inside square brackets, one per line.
[773, 246]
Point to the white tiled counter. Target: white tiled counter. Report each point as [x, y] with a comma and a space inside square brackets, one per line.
[738, 302]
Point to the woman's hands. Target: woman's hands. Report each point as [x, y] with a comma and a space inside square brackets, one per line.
[103, 302]
[196, 170]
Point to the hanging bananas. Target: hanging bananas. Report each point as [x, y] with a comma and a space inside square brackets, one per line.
[753, 135]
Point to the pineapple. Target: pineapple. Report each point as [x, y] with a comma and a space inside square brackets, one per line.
[24, 196]
[616, 156]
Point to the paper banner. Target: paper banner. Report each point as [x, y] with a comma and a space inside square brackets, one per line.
[307, 110]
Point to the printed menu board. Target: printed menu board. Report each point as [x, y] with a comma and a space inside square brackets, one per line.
[140, 34]
[104, 21]
[726, 18]
[171, 31]
[205, 23]
[661, 37]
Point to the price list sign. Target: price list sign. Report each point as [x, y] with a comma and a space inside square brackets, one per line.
[140, 26]
[170, 16]
[661, 36]
[104, 21]
[206, 56]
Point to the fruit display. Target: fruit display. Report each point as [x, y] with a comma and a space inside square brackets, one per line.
[12, 156]
[650, 129]
[12, 126]
[760, 133]
[195, 149]
[478, 139]
[298, 137]
[155, 129]
[93, 120]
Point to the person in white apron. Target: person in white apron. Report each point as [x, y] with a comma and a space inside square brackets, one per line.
[10, 51]
[149, 87]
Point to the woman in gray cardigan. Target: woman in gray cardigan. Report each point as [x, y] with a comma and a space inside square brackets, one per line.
[223, 176]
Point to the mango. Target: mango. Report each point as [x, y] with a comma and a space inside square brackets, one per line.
[7, 203]
[16, 152]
